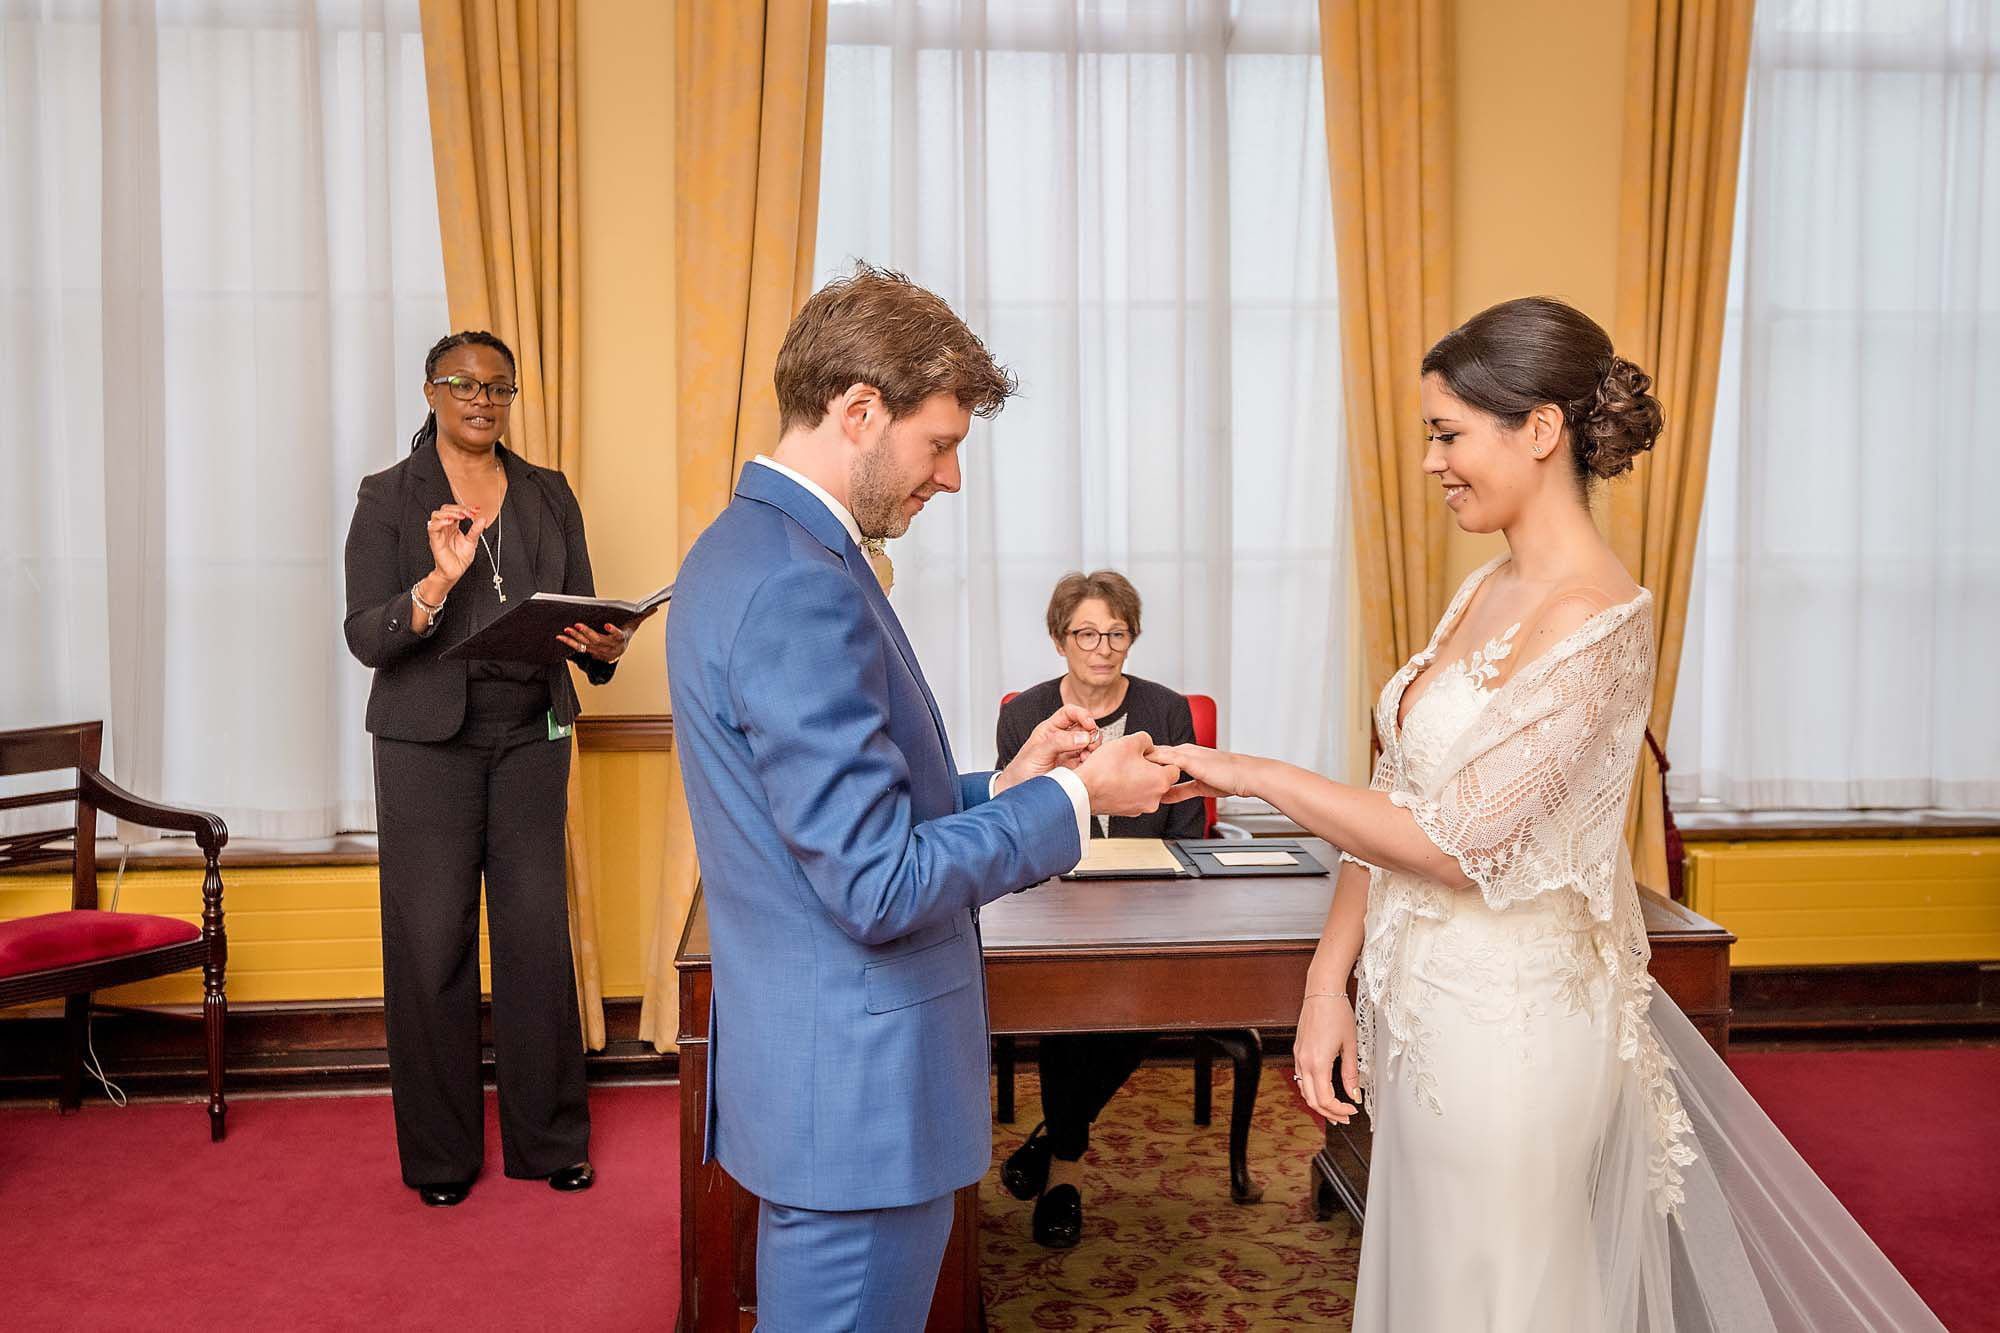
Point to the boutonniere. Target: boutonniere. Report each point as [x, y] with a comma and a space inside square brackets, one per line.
[878, 560]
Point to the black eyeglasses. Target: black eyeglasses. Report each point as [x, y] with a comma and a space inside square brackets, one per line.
[1117, 640]
[465, 389]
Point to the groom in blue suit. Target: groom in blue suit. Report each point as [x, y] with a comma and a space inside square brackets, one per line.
[843, 856]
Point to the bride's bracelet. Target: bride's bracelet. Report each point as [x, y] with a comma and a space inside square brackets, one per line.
[1324, 994]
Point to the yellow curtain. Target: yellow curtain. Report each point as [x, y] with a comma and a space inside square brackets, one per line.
[749, 79]
[1385, 65]
[1687, 62]
[501, 76]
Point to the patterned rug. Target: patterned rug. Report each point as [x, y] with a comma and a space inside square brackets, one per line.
[1164, 1249]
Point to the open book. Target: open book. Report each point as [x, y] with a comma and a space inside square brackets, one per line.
[526, 631]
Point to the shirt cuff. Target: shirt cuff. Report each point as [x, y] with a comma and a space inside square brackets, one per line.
[1079, 799]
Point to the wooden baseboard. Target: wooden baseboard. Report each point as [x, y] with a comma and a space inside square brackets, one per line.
[625, 731]
[322, 1046]
[1956, 997]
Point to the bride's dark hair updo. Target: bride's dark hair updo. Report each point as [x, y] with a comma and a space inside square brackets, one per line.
[1511, 358]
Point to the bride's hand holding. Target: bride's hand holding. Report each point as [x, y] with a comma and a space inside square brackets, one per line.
[1204, 772]
[1326, 1033]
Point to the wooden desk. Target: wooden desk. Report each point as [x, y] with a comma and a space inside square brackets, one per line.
[1690, 963]
[1130, 955]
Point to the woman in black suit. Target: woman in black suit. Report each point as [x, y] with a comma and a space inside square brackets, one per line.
[472, 780]
[1094, 621]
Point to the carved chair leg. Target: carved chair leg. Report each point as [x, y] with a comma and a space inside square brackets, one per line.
[1246, 1052]
[1003, 1065]
[215, 1017]
[1204, 1080]
[76, 1035]
[214, 1004]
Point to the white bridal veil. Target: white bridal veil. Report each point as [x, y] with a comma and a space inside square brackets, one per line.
[1758, 1243]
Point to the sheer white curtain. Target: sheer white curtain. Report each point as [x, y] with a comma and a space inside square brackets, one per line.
[1129, 203]
[220, 264]
[1845, 621]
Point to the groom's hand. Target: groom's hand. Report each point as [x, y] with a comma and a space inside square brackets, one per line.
[1061, 741]
[1121, 780]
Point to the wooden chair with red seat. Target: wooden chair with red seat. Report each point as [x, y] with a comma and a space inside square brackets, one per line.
[1243, 1046]
[76, 952]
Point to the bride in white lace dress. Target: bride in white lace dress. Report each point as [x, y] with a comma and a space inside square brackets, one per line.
[1555, 1147]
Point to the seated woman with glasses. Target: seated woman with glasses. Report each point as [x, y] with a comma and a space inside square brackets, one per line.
[1094, 621]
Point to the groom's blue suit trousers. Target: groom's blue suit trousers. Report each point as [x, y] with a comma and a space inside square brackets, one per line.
[872, 1270]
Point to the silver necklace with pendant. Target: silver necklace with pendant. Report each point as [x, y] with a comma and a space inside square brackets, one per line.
[493, 557]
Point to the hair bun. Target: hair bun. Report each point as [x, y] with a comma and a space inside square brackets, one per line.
[1624, 420]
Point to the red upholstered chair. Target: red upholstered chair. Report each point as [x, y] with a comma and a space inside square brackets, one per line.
[1243, 1046]
[1203, 710]
[82, 950]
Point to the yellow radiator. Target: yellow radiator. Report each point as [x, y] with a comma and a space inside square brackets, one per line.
[1873, 900]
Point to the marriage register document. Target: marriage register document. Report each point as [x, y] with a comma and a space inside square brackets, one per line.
[1128, 858]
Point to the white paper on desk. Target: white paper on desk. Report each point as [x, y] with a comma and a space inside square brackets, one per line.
[1118, 855]
[1255, 858]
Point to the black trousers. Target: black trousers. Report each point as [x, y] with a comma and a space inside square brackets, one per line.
[1081, 1073]
[491, 800]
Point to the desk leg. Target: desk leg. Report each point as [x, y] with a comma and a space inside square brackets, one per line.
[959, 1306]
[705, 1270]
[1340, 1169]
[718, 1221]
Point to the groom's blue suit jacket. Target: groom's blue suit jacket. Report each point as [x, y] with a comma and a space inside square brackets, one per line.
[843, 860]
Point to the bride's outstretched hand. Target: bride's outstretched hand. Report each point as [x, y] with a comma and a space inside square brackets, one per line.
[1204, 772]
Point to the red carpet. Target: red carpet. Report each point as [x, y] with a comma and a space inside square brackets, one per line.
[299, 1220]
[1909, 1140]
[132, 1219]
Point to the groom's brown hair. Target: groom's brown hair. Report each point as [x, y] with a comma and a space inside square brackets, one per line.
[876, 327]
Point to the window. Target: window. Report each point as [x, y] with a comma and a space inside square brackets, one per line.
[1130, 204]
[220, 261]
[1844, 625]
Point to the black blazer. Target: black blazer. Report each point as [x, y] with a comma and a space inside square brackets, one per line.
[416, 696]
[1158, 711]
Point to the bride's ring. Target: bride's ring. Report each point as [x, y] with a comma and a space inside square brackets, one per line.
[1299, 1079]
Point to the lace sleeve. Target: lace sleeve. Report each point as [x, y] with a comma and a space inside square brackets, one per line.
[1381, 781]
[1533, 799]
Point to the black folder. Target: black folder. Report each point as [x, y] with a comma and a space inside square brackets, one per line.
[1199, 853]
[526, 631]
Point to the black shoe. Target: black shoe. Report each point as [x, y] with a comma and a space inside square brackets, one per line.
[1059, 1218]
[448, 1195]
[570, 1178]
[1026, 1169]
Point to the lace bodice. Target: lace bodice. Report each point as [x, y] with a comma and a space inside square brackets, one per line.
[1525, 783]
[1449, 705]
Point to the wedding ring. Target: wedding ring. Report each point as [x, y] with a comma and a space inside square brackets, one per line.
[1299, 1079]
